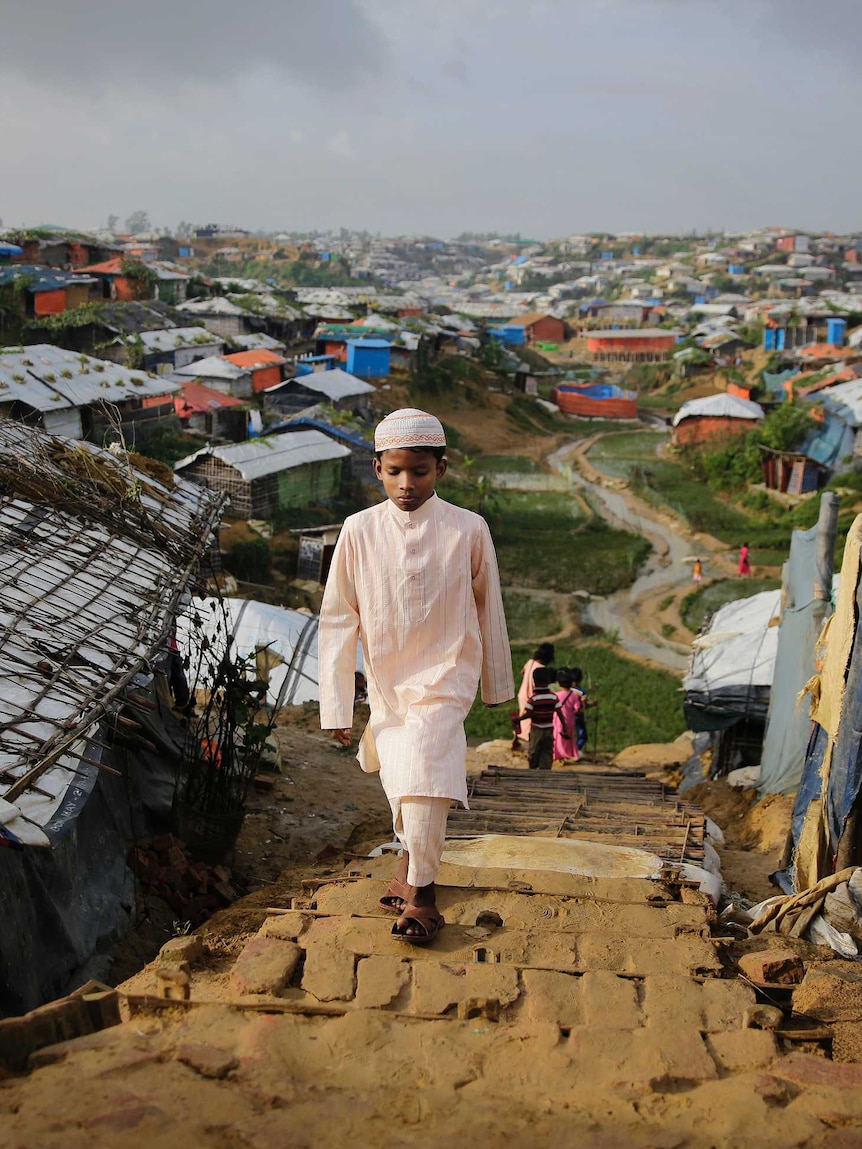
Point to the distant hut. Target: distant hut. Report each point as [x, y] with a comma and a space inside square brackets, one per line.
[272, 473]
[718, 416]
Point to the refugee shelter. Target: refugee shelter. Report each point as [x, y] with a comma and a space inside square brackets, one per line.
[719, 416]
[368, 358]
[67, 393]
[46, 291]
[219, 373]
[538, 326]
[97, 557]
[281, 643]
[642, 345]
[361, 449]
[166, 350]
[806, 603]
[596, 400]
[212, 413]
[826, 825]
[265, 367]
[834, 443]
[272, 473]
[729, 679]
[222, 316]
[338, 388]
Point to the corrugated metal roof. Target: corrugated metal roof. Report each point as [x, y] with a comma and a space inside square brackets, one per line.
[42, 278]
[211, 307]
[258, 340]
[49, 378]
[305, 421]
[213, 367]
[177, 339]
[274, 453]
[93, 569]
[334, 385]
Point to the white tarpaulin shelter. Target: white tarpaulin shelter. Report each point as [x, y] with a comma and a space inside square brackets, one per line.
[720, 406]
[733, 663]
[282, 642]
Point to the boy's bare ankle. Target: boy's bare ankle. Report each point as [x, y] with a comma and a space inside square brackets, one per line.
[422, 895]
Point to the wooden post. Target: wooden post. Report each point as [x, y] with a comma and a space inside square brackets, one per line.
[824, 563]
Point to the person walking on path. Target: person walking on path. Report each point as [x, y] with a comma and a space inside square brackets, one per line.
[416, 579]
[565, 718]
[541, 709]
[744, 567]
[697, 571]
[543, 657]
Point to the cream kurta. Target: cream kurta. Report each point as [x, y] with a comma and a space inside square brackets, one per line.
[422, 590]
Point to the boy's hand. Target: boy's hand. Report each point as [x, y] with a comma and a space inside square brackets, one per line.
[342, 737]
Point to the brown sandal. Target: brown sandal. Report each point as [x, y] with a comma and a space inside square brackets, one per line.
[395, 898]
[427, 918]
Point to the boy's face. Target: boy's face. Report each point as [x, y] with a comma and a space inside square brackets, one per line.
[409, 477]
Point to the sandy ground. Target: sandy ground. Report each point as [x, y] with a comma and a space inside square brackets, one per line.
[754, 832]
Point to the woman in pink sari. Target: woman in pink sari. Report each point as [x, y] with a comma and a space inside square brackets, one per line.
[744, 567]
[565, 735]
[544, 656]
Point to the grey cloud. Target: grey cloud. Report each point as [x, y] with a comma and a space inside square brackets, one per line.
[326, 44]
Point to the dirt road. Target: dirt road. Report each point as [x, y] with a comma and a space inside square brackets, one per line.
[633, 612]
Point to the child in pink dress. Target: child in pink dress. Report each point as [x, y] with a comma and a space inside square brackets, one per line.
[564, 720]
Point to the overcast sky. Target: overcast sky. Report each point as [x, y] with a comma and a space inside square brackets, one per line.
[540, 116]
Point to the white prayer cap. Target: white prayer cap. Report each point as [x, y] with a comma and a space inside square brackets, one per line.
[409, 428]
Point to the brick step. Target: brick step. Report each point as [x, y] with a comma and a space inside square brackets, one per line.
[618, 890]
[551, 912]
[332, 943]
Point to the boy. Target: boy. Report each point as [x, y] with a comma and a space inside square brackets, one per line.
[541, 707]
[417, 580]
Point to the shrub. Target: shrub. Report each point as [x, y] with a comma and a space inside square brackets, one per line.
[249, 561]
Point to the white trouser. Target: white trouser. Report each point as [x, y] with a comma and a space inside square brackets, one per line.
[420, 826]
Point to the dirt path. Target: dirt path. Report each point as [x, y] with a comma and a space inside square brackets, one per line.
[636, 613]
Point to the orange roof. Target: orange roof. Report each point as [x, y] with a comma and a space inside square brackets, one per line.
[109, 267]
[842, 376]
[529, 318]
[827, 351]
[259, 358]
[195, 397]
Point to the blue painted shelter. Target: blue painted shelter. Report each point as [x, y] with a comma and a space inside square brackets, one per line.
[836, 331]
[368, 358]
[510, 334]
[314, 362]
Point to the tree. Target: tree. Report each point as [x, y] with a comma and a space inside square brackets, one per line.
[113, 220]
[185, 229]
[137, 222]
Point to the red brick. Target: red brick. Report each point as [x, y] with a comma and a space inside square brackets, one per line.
[806, 1069]
[776, 966]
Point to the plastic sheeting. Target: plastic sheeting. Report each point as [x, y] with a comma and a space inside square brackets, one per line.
[64, 909]
[789, 722]
[832, 775]
[733, 664]
[282, 643]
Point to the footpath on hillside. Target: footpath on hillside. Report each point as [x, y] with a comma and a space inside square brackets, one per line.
[584, 987]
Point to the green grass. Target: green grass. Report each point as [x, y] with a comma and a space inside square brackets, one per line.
[636, 703]
[618, 454]
[543, 540]
[529, 618]
[697, 606]
[670, 484]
